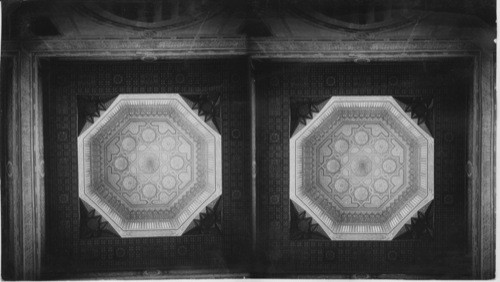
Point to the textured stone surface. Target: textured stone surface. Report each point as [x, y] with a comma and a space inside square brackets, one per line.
[149, 165]
[361, 168]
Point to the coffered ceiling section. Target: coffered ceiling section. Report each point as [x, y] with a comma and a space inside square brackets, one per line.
[361, 168]
[149, 165]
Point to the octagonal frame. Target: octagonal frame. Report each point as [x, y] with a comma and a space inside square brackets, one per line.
[151, 228]
[397, 220]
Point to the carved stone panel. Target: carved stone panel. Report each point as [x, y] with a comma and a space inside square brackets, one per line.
[362, 168]
[149, 165]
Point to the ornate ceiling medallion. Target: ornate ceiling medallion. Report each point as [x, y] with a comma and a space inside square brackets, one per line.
[149, 165]
[361, 168]
[152, 14]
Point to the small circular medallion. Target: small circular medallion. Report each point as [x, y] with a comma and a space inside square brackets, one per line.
[361, 138]
[333, 166]
[176, 162]
[168, 182]
[117, 79]
[148, 135]
[380, 185]
[149, 191]
[330, 81]
[389, 166]
[121, 163]
[341, 146]
[120, 252]
[361, 194]
[341, 185]
[180, 78]
[129, 183]
[235, 134]
[128, 143]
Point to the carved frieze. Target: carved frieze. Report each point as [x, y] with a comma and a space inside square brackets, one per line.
[149, 165]
[361, 168]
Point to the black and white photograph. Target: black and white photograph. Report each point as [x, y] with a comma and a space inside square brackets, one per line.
[248, 139]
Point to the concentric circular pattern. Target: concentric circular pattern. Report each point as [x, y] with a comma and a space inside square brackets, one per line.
[361, 168]
[149, 165]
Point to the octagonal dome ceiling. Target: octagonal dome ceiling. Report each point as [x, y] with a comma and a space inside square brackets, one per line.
[361, 168]
[149, 165]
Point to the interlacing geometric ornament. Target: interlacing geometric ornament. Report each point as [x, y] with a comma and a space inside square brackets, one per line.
[302, 111]
[149, 165]
[420, 110]
[208, 106]
[90, 108]
[303, 227]
[361, 168]
[209, 221]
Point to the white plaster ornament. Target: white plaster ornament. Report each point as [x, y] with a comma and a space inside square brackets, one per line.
[149, 165]
[361, 168]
